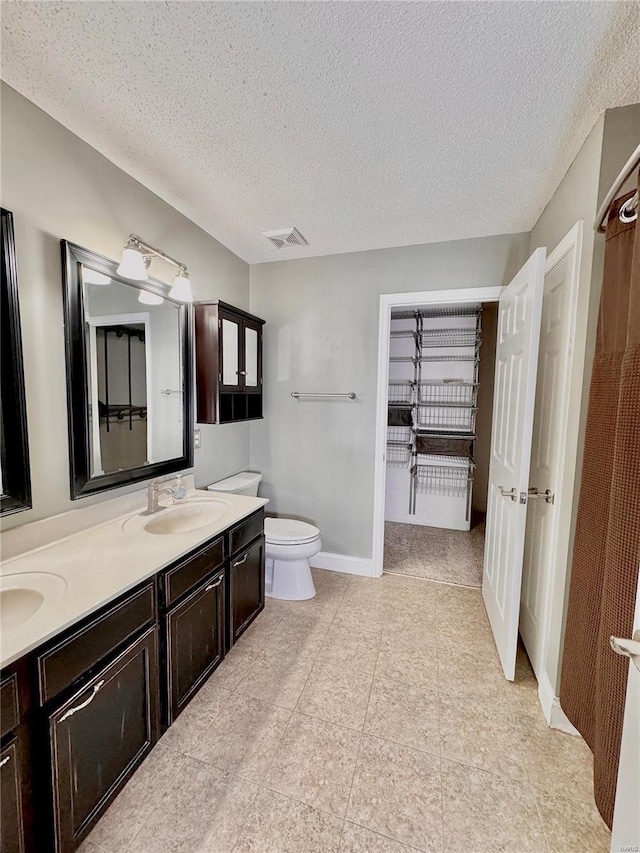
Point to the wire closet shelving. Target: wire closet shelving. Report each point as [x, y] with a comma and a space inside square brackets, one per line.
[438, 448]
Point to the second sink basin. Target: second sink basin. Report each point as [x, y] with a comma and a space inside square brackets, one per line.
[22, 595]
[190, 516]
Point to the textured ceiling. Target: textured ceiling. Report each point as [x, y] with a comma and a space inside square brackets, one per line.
[365, 124]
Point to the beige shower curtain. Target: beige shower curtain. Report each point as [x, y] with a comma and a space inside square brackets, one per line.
[604, 572]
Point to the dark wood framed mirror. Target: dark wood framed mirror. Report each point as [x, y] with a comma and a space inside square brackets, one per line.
[129, 375]
[15, 488]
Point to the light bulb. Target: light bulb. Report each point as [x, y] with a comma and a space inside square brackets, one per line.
[90, 276]
[148, 298]
[181, 290]
[132, 265]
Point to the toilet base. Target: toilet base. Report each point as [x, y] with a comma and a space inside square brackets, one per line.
[289, 580]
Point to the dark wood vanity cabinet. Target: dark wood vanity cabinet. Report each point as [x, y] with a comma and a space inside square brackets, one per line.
[195, 642]
[94, 699]
[100, 735]
[246, 574]
[192, 600]
[11, 826]
[16, 817]
[228, 363]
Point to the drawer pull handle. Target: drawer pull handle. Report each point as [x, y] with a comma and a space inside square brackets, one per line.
[84, 704]
[5, 760]
[213, 585]
[240, 562]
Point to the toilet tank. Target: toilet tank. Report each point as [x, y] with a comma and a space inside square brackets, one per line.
[244, 483]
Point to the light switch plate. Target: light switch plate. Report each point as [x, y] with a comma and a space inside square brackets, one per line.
[196, 439]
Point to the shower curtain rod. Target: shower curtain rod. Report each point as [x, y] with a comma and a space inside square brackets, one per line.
[632, 205]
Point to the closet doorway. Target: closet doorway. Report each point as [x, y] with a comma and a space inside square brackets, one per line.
[440, 401]
[435, 401]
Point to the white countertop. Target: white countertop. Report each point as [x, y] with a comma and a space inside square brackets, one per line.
[101, 562]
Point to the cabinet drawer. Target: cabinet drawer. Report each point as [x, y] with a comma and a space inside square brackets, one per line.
[187, 575]
[73, 656]
[245, 532]
[9, 707]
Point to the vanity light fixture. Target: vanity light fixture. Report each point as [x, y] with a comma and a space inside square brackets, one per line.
[133, 264]
[90, 276]
[148, 298]
[137, 256]
[181, 289]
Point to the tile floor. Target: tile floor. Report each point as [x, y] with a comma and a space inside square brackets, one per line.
[450, 556]
[372, 719]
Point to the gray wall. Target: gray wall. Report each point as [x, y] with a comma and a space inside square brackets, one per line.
[59, 187]
[317, 458]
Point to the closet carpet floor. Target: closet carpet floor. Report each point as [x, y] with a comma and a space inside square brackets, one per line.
[371, 719]
[451, 556]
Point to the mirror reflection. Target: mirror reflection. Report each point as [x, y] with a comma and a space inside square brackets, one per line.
[134, 371]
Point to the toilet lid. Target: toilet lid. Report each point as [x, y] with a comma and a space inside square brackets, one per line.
[236, 483]
[287, 531]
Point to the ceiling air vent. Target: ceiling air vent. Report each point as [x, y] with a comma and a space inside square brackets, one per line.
[285, 237]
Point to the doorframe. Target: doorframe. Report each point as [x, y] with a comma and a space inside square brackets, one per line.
[387, 302]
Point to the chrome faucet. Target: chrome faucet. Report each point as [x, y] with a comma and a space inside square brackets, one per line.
[153, 493]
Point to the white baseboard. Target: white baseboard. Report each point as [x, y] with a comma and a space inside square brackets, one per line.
[340, 563]
[553, 713]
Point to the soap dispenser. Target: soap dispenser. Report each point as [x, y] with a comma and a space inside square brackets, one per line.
[179, 491]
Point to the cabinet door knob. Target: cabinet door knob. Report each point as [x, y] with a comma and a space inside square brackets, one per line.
[5, 760]
[84, 704]
[213, 585]
[241, 372]
[240, 562]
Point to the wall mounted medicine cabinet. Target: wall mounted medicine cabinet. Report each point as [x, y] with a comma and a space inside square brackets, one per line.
[15, 482]
[228, 364]
[129, 375]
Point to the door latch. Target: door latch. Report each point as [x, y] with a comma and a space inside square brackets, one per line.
[548, 496]
[627, 648]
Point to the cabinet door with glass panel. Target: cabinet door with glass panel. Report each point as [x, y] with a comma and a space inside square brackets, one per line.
[229, 363]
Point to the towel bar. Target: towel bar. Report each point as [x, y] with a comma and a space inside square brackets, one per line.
[297, 395]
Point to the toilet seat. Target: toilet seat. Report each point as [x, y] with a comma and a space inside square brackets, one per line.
[288, 531]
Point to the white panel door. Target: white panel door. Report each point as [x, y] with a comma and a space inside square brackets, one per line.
[519, 316]
[542, 552]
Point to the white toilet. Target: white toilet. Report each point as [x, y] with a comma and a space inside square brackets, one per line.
[290, 544]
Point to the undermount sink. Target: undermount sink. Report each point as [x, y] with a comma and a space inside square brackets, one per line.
[22, 595]
[190, 516]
